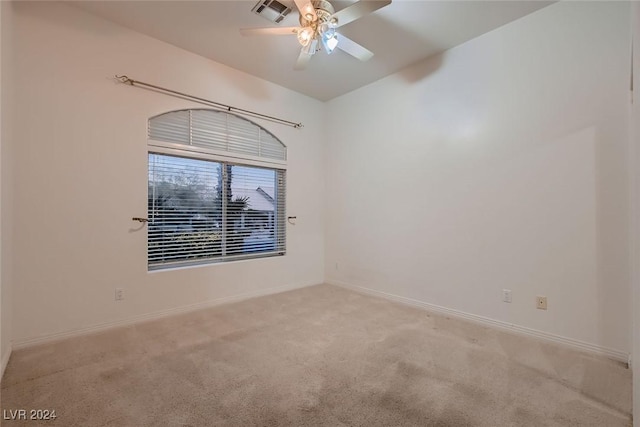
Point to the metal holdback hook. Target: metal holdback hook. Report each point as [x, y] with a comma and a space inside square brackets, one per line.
[142, 220]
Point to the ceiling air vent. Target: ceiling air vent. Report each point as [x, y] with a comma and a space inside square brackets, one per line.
[272, 10]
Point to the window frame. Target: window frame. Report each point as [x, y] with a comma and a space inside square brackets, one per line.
[224, 158]
[180, 150]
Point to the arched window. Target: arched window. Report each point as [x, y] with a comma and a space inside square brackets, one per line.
[217, 131]
[216, 189]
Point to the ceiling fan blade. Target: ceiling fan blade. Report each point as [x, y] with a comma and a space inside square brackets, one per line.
[354, 49]
[303, 59]
[273, 31]
[306, 9]
[358, 10]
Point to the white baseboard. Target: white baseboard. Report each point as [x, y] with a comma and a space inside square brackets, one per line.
[617, 355]
[4, 361]
[29, 342]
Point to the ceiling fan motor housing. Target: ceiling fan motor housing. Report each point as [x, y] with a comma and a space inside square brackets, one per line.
[324, 10]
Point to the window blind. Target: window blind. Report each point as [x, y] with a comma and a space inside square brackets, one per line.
[216, 130]
[205, 211]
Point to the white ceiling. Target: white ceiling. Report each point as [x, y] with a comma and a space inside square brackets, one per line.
[400, 34]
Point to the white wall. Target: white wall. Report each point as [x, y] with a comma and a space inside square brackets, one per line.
[500, 164]
[81, 149]
[635, 141]
[6, 167]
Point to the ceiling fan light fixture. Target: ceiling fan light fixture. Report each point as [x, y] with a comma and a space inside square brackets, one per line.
[311, 47]
[328, 35]
[305, 35]
[330, 43]
[326, 30]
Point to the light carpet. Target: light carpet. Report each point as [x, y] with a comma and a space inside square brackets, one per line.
[318, 356]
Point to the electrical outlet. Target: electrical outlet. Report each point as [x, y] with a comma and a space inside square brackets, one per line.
[541, 303]
[506, 295]
[119, 294]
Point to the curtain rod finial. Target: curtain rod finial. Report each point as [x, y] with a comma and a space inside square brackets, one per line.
[123, 79]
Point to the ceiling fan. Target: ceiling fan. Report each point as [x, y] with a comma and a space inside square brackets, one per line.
[317, 30]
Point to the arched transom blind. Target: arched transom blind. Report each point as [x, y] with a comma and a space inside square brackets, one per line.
[216, 130]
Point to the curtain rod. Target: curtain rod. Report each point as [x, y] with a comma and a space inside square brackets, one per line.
[127, 80]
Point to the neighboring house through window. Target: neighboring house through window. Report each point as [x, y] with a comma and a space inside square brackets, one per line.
[216, 189]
